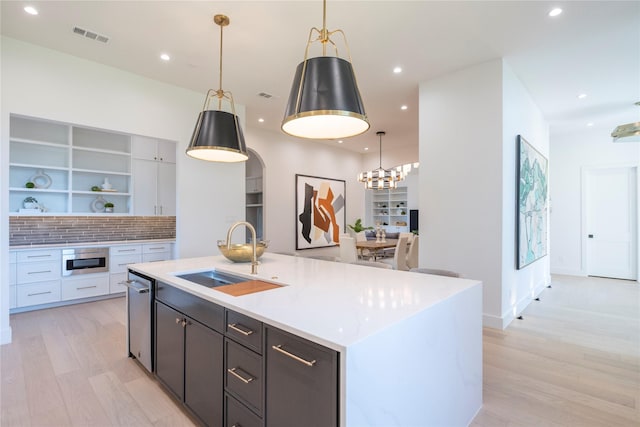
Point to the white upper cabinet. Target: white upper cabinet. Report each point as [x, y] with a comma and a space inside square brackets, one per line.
[153, 149]
[154, 176]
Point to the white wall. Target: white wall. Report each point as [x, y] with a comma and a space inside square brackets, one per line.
[467, 181]
[44, 83]
[571, 153]
[284, 157]
[520, 117]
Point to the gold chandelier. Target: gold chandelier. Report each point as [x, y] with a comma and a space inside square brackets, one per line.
[381, 179]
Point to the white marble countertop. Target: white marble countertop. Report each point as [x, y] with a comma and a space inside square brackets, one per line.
[331, 303]
[85, 244]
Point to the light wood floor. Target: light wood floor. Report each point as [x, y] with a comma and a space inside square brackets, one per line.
[573, 361]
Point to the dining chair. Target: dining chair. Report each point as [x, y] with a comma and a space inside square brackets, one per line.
[399, 260]
[412, 254]
[348, 251]
[364, 254]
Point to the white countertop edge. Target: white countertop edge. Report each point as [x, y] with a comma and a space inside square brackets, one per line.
[295, 307]
[87, 244]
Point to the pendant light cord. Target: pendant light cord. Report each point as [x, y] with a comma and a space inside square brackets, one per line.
[325, 34]
[220, 93]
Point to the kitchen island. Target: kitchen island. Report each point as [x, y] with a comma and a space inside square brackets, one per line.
[408, 345]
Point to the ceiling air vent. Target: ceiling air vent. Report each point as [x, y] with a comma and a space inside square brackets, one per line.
[265, 95]
[90, 34]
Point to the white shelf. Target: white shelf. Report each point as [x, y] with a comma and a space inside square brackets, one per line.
[74, 158]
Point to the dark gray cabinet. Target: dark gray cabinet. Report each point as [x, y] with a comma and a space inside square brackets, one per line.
[301, 382]
[170, 349]
[254, 375]
[189, 358]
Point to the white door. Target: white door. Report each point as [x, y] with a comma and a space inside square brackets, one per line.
[167, 189]
[145, 176]
[612, 222]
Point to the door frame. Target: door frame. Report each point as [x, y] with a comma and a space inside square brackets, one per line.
[585, 170]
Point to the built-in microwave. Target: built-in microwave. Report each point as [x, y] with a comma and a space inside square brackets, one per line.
[84, 261]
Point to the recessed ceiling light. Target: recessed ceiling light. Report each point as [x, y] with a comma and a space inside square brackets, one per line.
[590, 124]
[404, 107]
[582, 96]
[397, 70]
[366, 148]
[31, 10]
[261, 120]
[339, 141]
[555, 12]
[165, 57]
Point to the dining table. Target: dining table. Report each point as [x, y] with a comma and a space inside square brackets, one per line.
[375, 246]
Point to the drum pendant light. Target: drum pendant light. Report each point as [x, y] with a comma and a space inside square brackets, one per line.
[218, 136]
[325, 102]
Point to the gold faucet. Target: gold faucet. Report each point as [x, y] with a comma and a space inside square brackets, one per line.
[254, 257]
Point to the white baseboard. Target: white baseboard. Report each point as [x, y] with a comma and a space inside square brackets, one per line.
[501, 322]
[5, 335]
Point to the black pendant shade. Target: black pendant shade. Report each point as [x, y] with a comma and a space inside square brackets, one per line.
[218, 137]
[325, 102]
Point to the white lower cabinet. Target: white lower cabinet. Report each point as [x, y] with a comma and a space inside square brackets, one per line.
[35, 276]
[37, 293]
[13, 280]
[90, 285]
[115, 283]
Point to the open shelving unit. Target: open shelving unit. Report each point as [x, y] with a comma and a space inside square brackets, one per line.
[66, 161]
[389, 209]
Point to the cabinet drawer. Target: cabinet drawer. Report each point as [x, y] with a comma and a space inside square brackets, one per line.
[30, 272]
[38, 256]
[13, 297]
[156, 256]
[13, 278]
[38, 293]
[150, 248]
[244, 330]
[125, 250]
[208, 313]
[119, 263]
[115, 281]
[237, 414]
[243, 375]
[89, 286]
[304, 372]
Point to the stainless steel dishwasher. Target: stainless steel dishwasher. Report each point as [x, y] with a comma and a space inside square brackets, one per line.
[139, 311]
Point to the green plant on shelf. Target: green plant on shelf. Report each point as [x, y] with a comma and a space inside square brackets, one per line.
[30, 184]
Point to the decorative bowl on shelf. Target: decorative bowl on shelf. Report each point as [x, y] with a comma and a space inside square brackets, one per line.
[241, 252]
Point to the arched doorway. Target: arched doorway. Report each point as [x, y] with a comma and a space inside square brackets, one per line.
[255, 195]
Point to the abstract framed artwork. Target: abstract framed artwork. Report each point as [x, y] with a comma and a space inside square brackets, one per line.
[533, 213]
[320, 211]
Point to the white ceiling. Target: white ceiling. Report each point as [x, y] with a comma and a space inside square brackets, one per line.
[593, 47]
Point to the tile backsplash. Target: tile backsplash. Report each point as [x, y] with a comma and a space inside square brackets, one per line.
[39, 230]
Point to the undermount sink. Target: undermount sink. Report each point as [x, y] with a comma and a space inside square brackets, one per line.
[211, 279]
[227, 283]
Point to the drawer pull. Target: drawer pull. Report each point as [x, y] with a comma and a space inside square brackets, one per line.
[39, 272]
[127, 250]
[235, 327]
[86, 287]
[293, 356]
[233, 372]
[123, 265]
[161, 248]
[38, 256]
[38, 293]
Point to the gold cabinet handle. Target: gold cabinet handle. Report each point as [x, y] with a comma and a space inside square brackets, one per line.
[233, 371]
[293, 356]
[235, 327]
